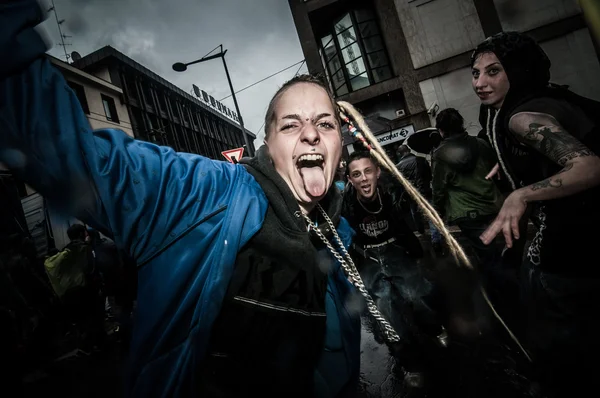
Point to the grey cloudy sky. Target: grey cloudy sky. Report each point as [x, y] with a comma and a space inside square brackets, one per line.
[259, 35]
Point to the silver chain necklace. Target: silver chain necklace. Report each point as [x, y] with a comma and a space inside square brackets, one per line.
[369, 211]
[352, 273]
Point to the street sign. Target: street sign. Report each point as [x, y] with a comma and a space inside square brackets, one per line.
[233, 155]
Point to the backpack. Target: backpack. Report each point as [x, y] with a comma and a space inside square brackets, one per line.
[69, 268]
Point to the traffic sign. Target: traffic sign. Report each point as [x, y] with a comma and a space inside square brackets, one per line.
[233, 155]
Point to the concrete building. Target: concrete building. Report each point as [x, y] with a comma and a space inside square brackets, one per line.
[163, 113]
[398, 59]
[116, 92]
[101, 100]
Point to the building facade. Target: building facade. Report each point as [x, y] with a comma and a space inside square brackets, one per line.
[161, 112]
[116, 92]
[100, 100]
[26, 211]
[402, 61]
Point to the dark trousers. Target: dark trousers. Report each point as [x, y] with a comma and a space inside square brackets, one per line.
[84, 307]
[405, 299]
[472, 228]
[499, 280]
[563, 325]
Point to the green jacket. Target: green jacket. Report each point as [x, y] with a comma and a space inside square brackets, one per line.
[460, 189]
[69, 268]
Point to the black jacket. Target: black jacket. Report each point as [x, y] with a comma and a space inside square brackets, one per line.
[417, 170]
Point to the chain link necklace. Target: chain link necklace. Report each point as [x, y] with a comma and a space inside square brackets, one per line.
[369, 211]
[352, 273]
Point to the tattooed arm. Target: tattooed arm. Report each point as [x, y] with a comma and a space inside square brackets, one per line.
[581, 170]
[581, 167]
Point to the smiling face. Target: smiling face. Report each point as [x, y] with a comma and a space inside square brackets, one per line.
[363, 174]
[490, 80]
[304, 142]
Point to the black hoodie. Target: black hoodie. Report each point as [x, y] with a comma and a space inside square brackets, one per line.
[569, 226]
[272, 325]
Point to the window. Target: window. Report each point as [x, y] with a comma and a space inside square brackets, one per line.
[353, 52]
[130, 87]
[80, 93]
[110, 110]
[162, 101]
[147, 93]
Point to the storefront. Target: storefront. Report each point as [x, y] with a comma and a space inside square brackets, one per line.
[390, 140]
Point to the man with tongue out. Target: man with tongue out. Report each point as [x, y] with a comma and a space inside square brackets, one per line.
[385, 251]
[238, 294]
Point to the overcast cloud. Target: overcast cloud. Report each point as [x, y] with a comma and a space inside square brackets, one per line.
[259, 35]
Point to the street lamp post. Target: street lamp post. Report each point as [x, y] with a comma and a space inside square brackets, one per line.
[181, 67]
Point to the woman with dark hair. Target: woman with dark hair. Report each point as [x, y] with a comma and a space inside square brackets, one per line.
[547, 143]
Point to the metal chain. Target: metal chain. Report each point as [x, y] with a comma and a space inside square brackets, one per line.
[352, 272]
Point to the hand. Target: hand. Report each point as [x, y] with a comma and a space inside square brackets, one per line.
[507, 220]
[493, 172]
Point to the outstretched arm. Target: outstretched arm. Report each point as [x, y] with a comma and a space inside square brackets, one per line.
[581, 170]
[141, 194]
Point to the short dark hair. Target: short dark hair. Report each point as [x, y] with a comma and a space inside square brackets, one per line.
[94, 235]
[306, 78]
[402, 150]
[356, 155]
[450, 122]
[76, 232]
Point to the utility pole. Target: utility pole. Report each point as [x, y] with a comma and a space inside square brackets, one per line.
[237, 108]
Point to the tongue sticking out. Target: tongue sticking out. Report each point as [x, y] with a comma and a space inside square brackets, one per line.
[314, 180]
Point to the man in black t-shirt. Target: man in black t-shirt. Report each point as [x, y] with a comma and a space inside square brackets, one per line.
[387, 254]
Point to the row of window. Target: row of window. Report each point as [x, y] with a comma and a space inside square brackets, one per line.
[108, 103]
[189, 131]
[163, 110]
[185, 139]
[353, 52]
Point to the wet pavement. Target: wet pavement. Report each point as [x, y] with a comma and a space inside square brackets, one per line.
[476, 372]
[479, 361]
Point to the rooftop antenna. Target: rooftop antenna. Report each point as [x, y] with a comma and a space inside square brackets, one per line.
[62, 36]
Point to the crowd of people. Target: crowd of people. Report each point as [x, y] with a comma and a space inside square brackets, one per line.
[248, 274]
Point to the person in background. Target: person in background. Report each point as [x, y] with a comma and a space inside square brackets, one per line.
[74, 278]
[461, 193]
[417, 170]
[463, 196]
[387, 256]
